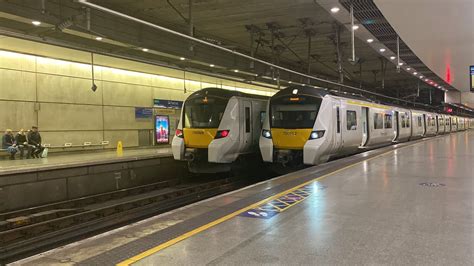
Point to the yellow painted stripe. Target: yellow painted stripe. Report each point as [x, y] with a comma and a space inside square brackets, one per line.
[252, 206]
[368, 104]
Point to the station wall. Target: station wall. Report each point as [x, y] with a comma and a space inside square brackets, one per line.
[50, 86]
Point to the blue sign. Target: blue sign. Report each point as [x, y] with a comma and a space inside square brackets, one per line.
[273, 207]
[167, 104]
[472, 78]
[141, 112]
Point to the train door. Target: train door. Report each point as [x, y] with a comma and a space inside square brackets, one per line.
[247, 126]
[365, 126]
[397, 125]
[338, 114]
[425, 126]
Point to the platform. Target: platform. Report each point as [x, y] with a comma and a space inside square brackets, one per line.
[69, 160]
[406, 204]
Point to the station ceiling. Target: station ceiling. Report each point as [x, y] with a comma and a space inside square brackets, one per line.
[281, 32]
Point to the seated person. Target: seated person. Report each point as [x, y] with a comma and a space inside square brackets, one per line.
[22, 144]
[34, 140]
[8, 143]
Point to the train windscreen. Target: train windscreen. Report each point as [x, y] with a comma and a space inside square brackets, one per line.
[294, 111]
[204, 112]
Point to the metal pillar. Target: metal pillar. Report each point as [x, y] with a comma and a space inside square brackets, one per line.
[340, 69]
[352, 34]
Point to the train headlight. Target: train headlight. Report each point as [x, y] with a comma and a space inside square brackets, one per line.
[222, 134]
[266, 134]
[316, 134]
[179, 133]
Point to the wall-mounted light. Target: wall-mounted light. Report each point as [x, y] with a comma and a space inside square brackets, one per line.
[36, 23]
[98, 38]
[145, 50]
[182, 58]
[212, 65]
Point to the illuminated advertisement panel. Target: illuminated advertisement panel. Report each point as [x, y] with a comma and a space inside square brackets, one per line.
[162, 126]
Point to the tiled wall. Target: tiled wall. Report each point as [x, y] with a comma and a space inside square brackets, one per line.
[49, 86]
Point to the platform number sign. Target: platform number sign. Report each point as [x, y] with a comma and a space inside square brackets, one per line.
[471, 78]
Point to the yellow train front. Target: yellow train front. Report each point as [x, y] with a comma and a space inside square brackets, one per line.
[217, 128]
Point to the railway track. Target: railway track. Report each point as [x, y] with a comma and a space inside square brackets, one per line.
[32, 230]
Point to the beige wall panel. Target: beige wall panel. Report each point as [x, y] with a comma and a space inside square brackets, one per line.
[162, 93]
[60, 67]
[125, 76]
[127, 94]
[54, 116]
[17, 61]
[17, 85]
[124, 118]
[193, 85]
[61, 89]
[41, 49]
[167, 82]
[136, 66]
[210, 85]
[16, 115]
[74, 137]
[129, 138]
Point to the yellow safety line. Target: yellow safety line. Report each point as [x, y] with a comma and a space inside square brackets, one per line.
[278, 208]
[283, 202]
[252, 206]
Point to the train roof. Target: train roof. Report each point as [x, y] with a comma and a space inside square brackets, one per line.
[321, 92]
[223, 93]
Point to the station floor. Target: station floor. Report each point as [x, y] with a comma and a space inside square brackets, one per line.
[412, 204]
[66, 160]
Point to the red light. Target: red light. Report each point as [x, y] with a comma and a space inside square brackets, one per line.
[222, 134]
[448, 74]
[449, 110]
[179, 133]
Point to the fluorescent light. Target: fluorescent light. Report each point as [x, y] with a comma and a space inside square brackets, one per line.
[355, 27]
[145, 50]
[421, 77]
[382, 50]
[290, 81]
[212, 65]
[98, 38]
[236, 70]
[36, 23]
[182, 58]
[392, 57]
[408, 68]
[414, 73]
[400, 64]
[426, 79]
[370, 40]
[335, 9]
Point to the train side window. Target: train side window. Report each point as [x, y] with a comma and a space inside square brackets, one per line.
[378, 121]
[247, 119]
[388, 121]
[408, 119]
[262, 117]
[419, 121]
[338, 117]
[351, 120]
[404, 121]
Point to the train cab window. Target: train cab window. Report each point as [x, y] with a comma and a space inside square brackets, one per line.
[247, 119]
[204, 112]
[294, 112]
[351, 120]
[388, 121]
[378, 121]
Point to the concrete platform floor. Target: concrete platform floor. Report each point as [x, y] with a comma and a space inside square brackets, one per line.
[373, 212]
[65, 160]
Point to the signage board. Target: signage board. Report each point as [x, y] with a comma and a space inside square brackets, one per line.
[167, 104]
[162, 129]
[143, 113]
[471, 78]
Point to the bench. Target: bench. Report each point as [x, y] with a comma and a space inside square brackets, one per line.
[84, 145]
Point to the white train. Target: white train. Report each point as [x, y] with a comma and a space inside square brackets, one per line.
[218, 128]
[310, 126]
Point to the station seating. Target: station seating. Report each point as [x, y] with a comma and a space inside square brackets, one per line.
[66, 146]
